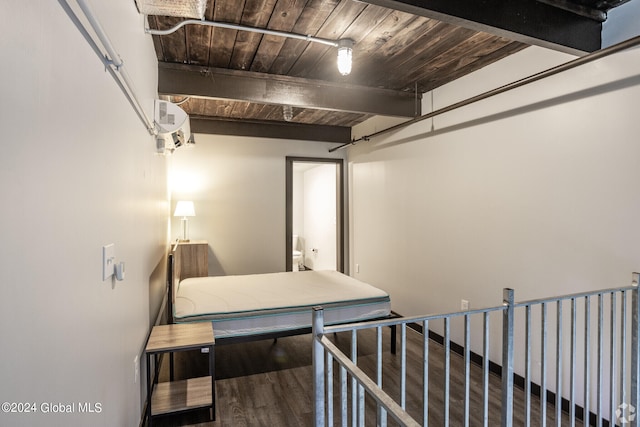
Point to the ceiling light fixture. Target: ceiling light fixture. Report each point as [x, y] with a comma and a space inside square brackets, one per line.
[345, 46]
[345, 56]
[287, 113]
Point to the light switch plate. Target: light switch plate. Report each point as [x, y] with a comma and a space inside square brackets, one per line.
[108, 260]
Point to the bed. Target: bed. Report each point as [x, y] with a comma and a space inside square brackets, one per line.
[271, 305]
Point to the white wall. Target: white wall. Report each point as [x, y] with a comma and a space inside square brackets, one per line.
[298, 204]
[78, 171]
[238, 187]
[320, 217]
[536, 189]
[621, 23]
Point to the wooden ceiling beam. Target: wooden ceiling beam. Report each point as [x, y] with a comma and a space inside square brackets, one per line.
[206, 82]
[527, 21]
[270, 129]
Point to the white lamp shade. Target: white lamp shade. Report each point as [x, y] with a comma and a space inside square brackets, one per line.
[184, 208]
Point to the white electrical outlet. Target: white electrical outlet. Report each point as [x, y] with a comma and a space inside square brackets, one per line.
[357, 268]
[136, 369]
[464, 305]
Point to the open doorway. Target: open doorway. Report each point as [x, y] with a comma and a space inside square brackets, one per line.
[314, 214]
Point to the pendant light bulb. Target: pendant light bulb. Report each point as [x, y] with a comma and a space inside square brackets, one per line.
[287, 113]
[345, 56]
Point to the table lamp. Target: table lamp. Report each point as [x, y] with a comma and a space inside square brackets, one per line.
[184, 209]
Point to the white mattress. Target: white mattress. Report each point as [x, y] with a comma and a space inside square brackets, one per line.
[275, 302]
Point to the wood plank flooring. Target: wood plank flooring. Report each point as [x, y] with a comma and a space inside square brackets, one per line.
[270, 384]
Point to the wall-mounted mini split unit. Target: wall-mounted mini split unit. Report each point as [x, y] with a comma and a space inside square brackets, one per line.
[173, 127]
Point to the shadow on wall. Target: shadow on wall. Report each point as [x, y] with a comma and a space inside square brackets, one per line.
[625, 83]
[158, 290]
[215, 268]
[158, 286]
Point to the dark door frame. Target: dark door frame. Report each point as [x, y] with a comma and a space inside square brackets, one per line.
[339, 207]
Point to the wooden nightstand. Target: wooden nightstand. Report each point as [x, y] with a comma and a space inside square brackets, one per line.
[177, 396]
[194, 258]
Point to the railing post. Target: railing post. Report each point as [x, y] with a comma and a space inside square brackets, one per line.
[507, 357]
[317, 329]
[635, 351]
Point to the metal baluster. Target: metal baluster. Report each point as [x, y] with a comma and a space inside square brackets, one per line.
[379, 356]
[467, 367]
[559, 365]
[360, 405]
[329, 366]
[587, 360]
[354, 383]
[343, 396]
[318, 368]
[635, 346]
[527, 369]
[599, 372]
[447, 364]
[507, 357]
[485, 371]
[543, 365]
[572, 375]
[403, 366]
[623, 347]
[613, 356]
[381, 413]
[425, 373]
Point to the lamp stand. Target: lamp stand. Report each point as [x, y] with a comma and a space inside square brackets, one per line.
[185, 229]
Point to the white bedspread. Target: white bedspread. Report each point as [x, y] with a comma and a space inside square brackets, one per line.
[259, 303]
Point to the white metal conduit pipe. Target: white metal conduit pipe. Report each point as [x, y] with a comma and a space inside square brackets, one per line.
[110, 58]
[307, 38]
[627, 44]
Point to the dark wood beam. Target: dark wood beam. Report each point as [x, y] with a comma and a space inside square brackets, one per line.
[586, 11]
[186, 80]
[267, 129]
[527, 21]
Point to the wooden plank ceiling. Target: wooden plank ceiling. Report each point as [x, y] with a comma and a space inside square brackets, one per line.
[396, 54]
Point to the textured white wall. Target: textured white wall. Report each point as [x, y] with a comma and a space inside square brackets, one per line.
[77, 171]
[238, 187]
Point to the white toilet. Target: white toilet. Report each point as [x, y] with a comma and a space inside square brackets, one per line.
[298, 258]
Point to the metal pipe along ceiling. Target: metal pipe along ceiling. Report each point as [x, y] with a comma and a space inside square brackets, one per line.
[111, 60]
[599, 54]
[241, 28]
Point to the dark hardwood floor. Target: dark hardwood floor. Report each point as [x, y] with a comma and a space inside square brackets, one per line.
[270, 384]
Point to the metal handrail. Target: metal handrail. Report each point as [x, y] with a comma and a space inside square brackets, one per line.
[369, 385]
[344, 327]
[622, 333]
[574, 296]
